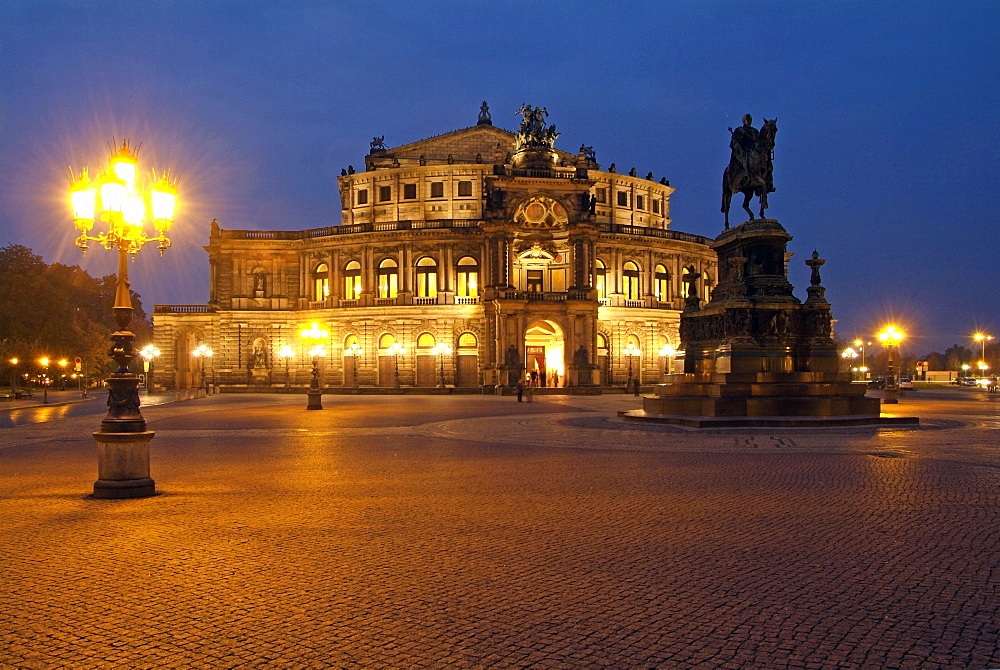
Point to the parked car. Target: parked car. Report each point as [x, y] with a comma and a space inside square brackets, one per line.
[877, 383]
[966, 381]
[905, 383]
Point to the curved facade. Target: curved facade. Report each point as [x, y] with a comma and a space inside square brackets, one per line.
[519, 260]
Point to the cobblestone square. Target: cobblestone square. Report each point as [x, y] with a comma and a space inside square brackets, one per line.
[474, 532]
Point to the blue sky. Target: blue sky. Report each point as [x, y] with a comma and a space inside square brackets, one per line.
[885, 157]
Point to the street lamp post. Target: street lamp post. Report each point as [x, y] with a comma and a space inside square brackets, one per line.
[115, 199]
[354, 351]
[203, 353]
[890, 337]
[44, 362]
[849, 355]
[441, 350]
[316, 335]
[13, 377]
[62, 373]
[148, 353]
[395, 350]
[630, 351]
[668, 352]
[286, 353]
[983, 338]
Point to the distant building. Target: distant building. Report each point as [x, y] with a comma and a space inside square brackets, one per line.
[519, 256]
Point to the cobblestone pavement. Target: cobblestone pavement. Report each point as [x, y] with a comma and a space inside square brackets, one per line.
[476, 532]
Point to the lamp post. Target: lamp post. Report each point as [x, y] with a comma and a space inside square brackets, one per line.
[668, 352]
[630, 351]
[202, 353]
[316, 335]
[148, 353]
[13, 377]
[395, 350]
[890, 337]
[62, 373]
[441, 350]
[354, 351]
[44, 362]
[115, 199]
[286, 353]
[983, 338]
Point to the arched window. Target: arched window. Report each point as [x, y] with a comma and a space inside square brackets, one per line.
[633, 340]
[349, 340]
[686, 287]
[426, 277]
[386, 341]
[468, 277]
[601, 279]
[352, 280]
[321, 282]
[706, 282]
[630, 281]
[388, 279]
[467, 341]
[661, 284]
[425, 341]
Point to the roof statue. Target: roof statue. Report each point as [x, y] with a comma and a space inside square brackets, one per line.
[750, 168]
[484, 115]
[533, 133]
[378, 143]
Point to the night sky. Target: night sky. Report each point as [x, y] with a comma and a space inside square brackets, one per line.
[886, 157]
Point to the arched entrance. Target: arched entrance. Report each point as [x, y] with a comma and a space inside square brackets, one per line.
[545, 353]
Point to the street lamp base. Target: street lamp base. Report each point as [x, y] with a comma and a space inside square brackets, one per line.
[315, 399]
[123, 466]
[891, 397]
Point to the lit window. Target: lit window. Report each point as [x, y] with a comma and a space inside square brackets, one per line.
[409, 191]
[321, 282]
[464, 189]
[384, 193]
[426, 277]
[362, 196]
[467, 340]
[468, 277]
[661, 283]
[600, 279]
[437, 189]
[630, 281]
[388, 279]
[352, 280]
[425, 341]
[534, 281]
[386, 341]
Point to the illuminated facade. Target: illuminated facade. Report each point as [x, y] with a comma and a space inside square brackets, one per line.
[520, 257]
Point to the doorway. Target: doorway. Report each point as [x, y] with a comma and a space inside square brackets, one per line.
[545, 354]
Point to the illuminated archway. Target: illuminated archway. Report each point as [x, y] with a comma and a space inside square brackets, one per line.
[545, 353]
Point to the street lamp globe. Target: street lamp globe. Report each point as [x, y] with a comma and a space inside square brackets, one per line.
[890, 337]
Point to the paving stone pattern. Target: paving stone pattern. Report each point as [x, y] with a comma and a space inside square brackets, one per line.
[476, 532]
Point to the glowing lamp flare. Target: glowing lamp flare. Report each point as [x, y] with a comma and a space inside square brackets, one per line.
[891, 335]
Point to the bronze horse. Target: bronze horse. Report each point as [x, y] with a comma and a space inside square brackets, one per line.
[758, 180]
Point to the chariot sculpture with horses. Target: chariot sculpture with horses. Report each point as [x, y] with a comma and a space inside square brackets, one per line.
[750, 168]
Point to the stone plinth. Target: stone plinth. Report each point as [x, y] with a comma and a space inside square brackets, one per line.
[123, 465]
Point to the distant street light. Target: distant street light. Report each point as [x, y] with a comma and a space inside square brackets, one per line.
[890, 337]
[441, 350]
[115, 198]
[983, 338]
[668, 352]
[316, 335]
[286, 353]
[148, 353]
[13, 377]
[354, 351]
[396, 350]
[849, 354]
[202, 353]
[630, 351]
[44, 362]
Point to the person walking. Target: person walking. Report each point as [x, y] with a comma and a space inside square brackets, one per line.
[531, 392]
[635, 386]
[520, 390]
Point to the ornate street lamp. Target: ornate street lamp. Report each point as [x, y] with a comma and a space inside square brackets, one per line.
[983, 338]
[630, 351]
[354, 351]
[286, 353]
[668, 352]
[116, 199]
[44, 362]
[62, 373]
[890, 337]
[148, 353]
[441, 350]
[13, 377]
[314, 334]
[849, 355]
[395, 350]
[203, 353]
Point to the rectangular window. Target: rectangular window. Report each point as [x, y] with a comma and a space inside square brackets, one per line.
[602, 195]
[534, 283]
[437, 189]
[468, 283]
[363, 196]
[384, 193]
[464, 189]
[409, 191]
[656, 206]
[640, 202]
[622, 199]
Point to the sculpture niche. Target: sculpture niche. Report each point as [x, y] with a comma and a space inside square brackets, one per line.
[750, 167]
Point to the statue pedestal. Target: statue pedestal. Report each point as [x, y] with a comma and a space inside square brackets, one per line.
[123, 465]
[315, 399]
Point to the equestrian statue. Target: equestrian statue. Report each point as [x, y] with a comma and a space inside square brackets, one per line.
[750, 168]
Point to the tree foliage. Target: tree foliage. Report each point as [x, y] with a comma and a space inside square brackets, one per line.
[58, 311]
